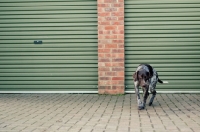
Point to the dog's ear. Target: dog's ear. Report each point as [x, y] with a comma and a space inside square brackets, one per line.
[148, 75]
[135, 76]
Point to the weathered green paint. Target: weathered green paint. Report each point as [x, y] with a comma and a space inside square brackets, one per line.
[67, 58]
[165, 34]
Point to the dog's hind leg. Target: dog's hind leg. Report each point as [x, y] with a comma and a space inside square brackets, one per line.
[152, 87]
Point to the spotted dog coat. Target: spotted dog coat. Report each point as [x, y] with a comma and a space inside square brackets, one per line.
[146, 77]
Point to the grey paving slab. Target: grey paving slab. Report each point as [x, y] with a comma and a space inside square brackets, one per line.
[98, 113]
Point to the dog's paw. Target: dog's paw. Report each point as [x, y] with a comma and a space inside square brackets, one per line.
[140, 107]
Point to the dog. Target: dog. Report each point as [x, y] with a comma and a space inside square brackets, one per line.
[146, 77]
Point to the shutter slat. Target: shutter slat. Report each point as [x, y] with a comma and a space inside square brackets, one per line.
[165, 34]
[67, 58]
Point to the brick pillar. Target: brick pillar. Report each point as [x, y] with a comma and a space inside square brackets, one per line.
[111, 46]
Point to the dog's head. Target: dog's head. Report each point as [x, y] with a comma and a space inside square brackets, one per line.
[142, 76]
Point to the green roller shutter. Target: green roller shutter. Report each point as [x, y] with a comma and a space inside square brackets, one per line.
[165, 34]
[67, 58]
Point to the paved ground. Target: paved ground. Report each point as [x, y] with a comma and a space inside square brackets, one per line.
[98, 113]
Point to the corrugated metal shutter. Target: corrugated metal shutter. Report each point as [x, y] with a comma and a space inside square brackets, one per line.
[67, 58]
[165, 34]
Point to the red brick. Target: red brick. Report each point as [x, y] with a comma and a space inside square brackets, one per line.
[106, 32]
[113, 82]
[104, 23]
[108, 83]
[114, 55]
[110, 1]
[105, 87]
[101, 64]
[104, 14]
[118, 32]
[111, 36]
[108, 64]
[118, 88]
[100, 4]
[120, 46]
[108, 9]
[101, 55]
[117, 64]
[111, 46]
[120, 74]
[100, 10]
[101, 90]
[117, 5]
[110, 27]
[100, 31]
[104, 50]
[117, 78]
[117, 41]
[101, 73]
[111, 18]
[104, 60]
[110, 73]
[121, 82]
[100, 1]
[101, 82]
[117, 69]
[117, 14]
[111, 90]
[100, 46]
[105, 78]
[116, 82]
[115, 31]
[103, 69]
[117, 50]
[120, 18]
[120, 27]
[108, 55]
[105, 41]
[121, 32]
[120, 36]
[117, 23]
[118, 60]
[100, 19]
[121, 9]
[120, 55]
[111, 55]
[100, 36]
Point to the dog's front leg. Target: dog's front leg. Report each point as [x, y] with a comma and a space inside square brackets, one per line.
[137, 92]
[152, 97]
[146, 94]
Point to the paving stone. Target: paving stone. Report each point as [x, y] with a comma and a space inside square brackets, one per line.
[98, 113]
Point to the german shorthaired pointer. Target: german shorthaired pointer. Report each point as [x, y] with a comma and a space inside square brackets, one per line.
[146, 77]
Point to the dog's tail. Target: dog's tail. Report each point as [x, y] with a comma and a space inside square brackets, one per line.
[160, 81]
